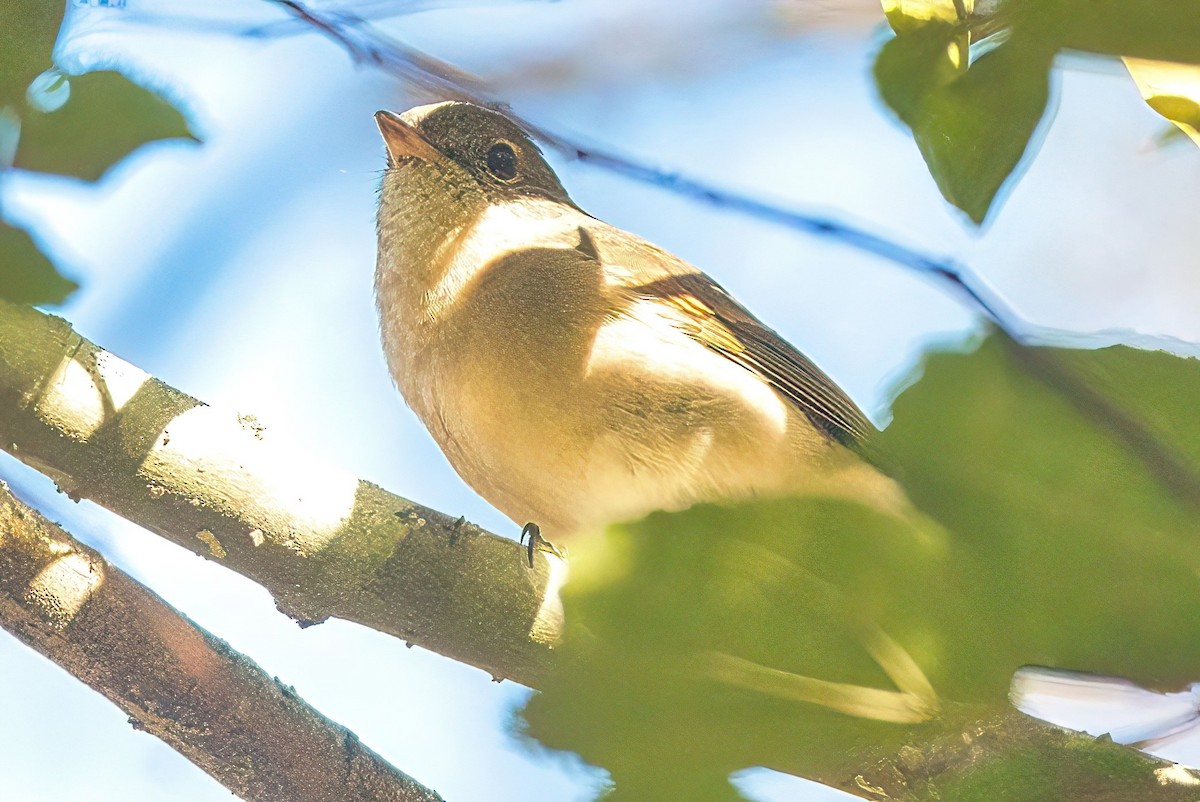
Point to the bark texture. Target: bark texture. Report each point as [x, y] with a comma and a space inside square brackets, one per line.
[176, 681]
[220, 484]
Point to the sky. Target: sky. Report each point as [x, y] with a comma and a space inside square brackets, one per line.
[239, 270]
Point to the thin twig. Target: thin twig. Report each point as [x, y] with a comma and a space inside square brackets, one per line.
[372, 10]
[966, 285]
[370, 46]
[367, 45]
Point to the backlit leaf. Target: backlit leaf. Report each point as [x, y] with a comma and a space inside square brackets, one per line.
[26, 275]
[105, 118]
[975, 129]
[28, 29]
[909, 15]
[816, 636]
[1173, 90]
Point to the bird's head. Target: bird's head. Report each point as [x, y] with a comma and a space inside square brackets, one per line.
[471, 153]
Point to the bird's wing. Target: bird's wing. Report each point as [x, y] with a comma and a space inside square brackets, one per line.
[709, 315]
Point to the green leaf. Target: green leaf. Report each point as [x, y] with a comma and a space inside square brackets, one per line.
[974, 131]
[1165, 30]
[26, 275]
[911, 67]
[911, 15]
[1057, 527]
[106, 117]
[1172, 90]
[1080, 504]
[78, 126]
[28, 29]
[973, 126]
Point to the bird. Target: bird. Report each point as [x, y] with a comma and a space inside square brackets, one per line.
[574, 374]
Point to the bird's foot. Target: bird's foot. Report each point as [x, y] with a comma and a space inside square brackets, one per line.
[539, 543]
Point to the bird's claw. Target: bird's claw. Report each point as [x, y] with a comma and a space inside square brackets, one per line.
[539, 543]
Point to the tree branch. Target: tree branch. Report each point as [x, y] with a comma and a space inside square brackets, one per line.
[1021, 759]
[176, 681]
[327, 544]
[223, 486]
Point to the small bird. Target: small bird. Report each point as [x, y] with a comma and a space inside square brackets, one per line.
[573, 373]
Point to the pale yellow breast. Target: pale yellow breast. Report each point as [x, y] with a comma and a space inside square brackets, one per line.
[565, 401]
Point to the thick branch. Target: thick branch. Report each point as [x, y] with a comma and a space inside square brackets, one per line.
[220, 484]
[1024, 760]
[176, 681]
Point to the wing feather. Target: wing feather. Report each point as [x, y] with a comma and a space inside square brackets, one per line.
[710, 315]
[716, 320]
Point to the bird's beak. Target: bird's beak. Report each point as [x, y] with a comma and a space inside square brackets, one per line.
[403, 142]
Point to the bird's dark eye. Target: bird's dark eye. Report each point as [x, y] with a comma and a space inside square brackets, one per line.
[502, 161]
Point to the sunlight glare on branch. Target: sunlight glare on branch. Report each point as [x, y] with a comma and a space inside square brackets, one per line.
[548, 623]
[60, 590]
[232, 471]
[78, 401]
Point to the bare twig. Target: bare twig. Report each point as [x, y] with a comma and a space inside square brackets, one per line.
[965, 285]
[354, 13]
[368, 45]
[214, 706]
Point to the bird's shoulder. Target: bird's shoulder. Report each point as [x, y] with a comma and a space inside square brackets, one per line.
[706, 312]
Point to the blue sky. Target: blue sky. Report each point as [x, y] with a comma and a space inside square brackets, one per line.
[239, 270]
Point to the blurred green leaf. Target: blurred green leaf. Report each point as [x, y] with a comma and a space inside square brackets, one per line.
[974, 127]
[653, 600]
[1165, 30]
[1088, 555]
[106, 117]
[69, 125]
[974, 131]
[729, 636]
[26, 275]
[28, 29]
